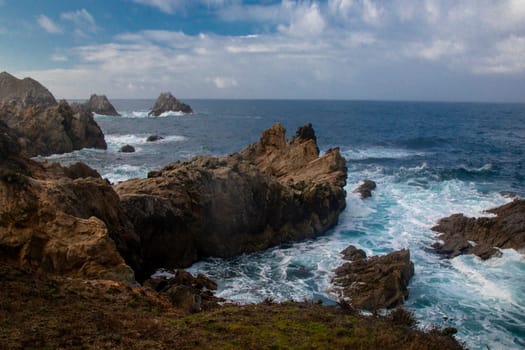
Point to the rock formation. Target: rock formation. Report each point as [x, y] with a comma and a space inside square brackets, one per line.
[366, 188]
[154, 138]
[375, 283]
[166, 102]
[58, 220]
[98, 104]
[274, 191]
[127, 149]
[24, 93]
[481, 236]
[43, 126]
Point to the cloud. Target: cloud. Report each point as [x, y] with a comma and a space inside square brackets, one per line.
[58, 58]
[48, 25]
[301, 49]
[224, 82]
[83, 22]
[173, 6]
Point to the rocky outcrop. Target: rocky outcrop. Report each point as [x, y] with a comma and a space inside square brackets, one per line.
[43, 126]
[482, 236]
[24, 93]
[375, 283]
[274, 191]
[127, 149]
[166, 102]
[65, 221]
[154, 138]
[366, 188]
[98, 104]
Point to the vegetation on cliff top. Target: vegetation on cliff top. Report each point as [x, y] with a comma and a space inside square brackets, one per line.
[40, 312]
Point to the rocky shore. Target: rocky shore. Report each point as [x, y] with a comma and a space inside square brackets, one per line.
[483, 236]
[166, 102]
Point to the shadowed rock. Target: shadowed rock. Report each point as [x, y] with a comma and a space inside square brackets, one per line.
[374, 283]
[366, 188]
[99, 104]
[154, 138]
[24, 93]
[274, 191]
[482, 236]
[43, 126]
[127, 149]
[166, 102]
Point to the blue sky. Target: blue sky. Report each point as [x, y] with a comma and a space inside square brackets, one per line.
[461, 50]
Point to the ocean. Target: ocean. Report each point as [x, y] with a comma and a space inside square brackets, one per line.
[429, 160]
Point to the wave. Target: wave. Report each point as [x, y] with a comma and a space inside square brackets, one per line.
[124, 172]
[379, 153]
[115, 141]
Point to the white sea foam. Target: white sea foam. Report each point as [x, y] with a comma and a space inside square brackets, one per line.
[379, 153]
[124, 172]
[116, 141]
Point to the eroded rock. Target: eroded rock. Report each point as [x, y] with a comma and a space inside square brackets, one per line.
[366, 188]
[98, 104]
[166, 102]
[127, 149]
[274, 191]
[376, 282]
[482, 236]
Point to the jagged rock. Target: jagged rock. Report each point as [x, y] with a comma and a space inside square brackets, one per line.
[153, 138]
[80, 170]
[53, 223]
[272, 192]
[366, 188]
[24, 93]
[98, 104]
[482, 236]
[185, 291]
[374, 283]
[166, 102]
[127, 149]
[43, 126]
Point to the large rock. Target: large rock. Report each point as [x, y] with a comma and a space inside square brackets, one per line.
[366, 188]
[98, 104]
[24, 93]
[272, 192]
[481, 236]
[166, 102]
[65, 221]
[375, 283]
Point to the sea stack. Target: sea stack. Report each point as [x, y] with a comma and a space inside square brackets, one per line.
[100, 104]
[166, 102]
[44, 126]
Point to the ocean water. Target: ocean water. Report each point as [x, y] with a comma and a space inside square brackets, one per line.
[429, 160]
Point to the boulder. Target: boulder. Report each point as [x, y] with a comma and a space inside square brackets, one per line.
[43, 126]
[98, 104]
[127, 149]
[374, 283]
[59, 221]
[154, 138]
[272, 192]
[366, 188]
[482, 236]
[166, 102]
[24, 93]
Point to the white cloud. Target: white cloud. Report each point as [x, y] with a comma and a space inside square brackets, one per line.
[508, 58]
[173, 6]
[306, 21]
[371, 12]
[224, 82]
[439, 49]
[59, 58]
[48, 25]
[82, 20]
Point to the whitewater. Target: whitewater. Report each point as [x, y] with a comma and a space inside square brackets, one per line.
[429, 160]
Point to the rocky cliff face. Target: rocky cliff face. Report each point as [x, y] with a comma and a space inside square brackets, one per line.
[375, 283]
[59, 220]
[98, 104]
[43, 126]
[274, 191]
[481, 236]
[24, 93]
[166, 102]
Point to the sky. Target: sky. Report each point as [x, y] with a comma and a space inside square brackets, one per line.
[426, 50]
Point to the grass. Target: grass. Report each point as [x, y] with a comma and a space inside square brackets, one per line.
[38, 312]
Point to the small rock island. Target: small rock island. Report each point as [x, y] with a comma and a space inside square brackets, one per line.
[166, 102]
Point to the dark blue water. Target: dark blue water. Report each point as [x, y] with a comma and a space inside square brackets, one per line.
[429, 159]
